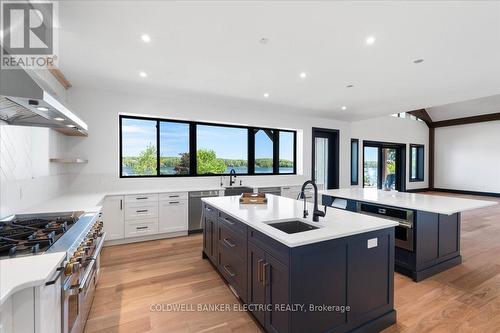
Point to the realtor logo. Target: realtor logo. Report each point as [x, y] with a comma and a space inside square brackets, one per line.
[28, 34]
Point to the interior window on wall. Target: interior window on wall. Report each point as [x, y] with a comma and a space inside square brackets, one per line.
[354, 161]
[220, 149]
[138, 145]
[416, 163]
[287, 152]
[174, 148]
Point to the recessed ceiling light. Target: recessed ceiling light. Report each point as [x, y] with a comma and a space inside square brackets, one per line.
[344, 108]
[350, 86]
[370, 40]
[59, 119]
[71, 126]
[143, 74]
[264, 40]
[303, 75]
[266, 95]
[418, 61]
[42, 108]
[146, 38]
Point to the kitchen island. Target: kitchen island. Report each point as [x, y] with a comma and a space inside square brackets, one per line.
[428, 235]
[296, 275]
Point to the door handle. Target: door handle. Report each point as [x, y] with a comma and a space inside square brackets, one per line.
[229, 243]
[264, 273]
[259, 270]
[226, 268]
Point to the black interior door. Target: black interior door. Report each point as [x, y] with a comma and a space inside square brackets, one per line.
[325, 157]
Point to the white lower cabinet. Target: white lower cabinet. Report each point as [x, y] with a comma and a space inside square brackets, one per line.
[33, 309]
[137, 228]
[173, 215]
[113, 217]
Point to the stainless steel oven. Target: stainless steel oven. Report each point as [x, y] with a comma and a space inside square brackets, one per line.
[78, 288]
[403, 232]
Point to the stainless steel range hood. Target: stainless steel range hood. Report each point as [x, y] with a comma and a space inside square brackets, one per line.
[24, 101]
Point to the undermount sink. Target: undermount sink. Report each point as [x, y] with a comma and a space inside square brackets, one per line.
[237, 190]
[292, 226]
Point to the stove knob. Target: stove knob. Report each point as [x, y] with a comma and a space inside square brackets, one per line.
[70, 268]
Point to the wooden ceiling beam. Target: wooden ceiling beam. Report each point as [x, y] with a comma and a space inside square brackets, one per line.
[422, 114]
[467, 120]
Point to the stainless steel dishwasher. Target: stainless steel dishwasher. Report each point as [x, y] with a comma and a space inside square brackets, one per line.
[195, 209]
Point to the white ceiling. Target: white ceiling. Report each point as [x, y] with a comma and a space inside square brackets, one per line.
[474, 107]
[213, 47]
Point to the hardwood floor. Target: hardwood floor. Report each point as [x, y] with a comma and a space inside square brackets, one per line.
[136, 276]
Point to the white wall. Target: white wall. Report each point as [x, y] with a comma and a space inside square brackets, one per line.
[468, 157]
[395, 130]
[27, 178]
[100, 109]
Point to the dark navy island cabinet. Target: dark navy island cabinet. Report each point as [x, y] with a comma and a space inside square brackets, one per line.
[340, 285]
[431, 244]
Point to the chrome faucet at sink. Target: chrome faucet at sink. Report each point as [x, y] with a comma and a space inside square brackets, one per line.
[316, 212]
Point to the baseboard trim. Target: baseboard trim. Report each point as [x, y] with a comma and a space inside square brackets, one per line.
[416, 190]
[486, 194]
[144, 238]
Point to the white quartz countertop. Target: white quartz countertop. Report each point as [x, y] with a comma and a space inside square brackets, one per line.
[336, 224]
[24, 272]
[417, 201]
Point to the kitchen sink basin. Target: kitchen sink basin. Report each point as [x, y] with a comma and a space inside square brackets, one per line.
[292, 226]
[237, 190]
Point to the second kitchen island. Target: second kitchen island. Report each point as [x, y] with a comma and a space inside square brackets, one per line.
[296, 275]
[428, 234]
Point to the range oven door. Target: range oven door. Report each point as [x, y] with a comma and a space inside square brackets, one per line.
[71, 312]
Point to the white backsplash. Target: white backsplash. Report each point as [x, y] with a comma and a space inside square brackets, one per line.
[27, 178]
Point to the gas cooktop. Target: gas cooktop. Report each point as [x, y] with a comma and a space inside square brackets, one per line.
[22, 235]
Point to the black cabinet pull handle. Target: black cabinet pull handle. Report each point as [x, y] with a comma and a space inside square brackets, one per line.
[226, 268]
[228, 221]
[142, 211]
[264, 273]
[173, 196]
[173, 202]
[229, 243]
[141, 198]
[59, 270]
[141, 228]
[121, 204]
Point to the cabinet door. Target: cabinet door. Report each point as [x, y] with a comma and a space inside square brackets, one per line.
[173, 216]
[48, 308]
[256, 287]
[214, 229]
[113, 217]
[276, 278]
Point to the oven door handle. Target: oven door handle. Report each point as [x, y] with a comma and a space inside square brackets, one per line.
[99, 246]
[86, 276]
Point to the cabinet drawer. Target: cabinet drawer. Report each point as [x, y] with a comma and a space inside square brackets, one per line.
[174, 196]
[232, 241]
[142, 197]
[232, 223]
[134, 211]
[209, 211]
[141, 228]
[234, 271]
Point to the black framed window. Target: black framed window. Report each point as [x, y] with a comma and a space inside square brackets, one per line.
[220, 149]
[153, 147]
[416, 163]
[174, 148]
[138, 147]
[287, 143]
[354, 161]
